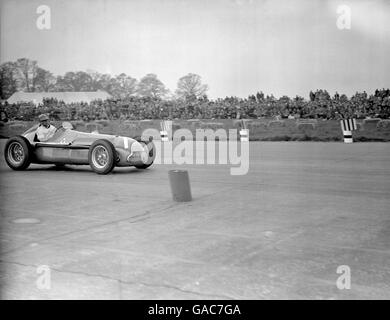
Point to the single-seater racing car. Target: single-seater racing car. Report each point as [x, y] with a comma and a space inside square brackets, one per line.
[102, 152]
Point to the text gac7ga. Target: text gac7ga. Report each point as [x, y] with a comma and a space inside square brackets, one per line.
[215, 309]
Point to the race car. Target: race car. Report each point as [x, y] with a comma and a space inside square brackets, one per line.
[102, 152]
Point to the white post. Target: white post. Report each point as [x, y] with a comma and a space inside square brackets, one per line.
[244, 135]
[166, 130]
[347, 136]
[164, 136]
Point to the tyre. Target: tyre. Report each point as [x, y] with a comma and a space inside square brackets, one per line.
[144, 166]
[18, 153]
[151, 155]
[101, 156]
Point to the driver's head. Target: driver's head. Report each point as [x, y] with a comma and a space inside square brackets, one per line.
[44, 120]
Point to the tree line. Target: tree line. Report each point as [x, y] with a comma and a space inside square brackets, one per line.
[26, 75]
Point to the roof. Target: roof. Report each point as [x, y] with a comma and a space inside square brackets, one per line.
[66, 96]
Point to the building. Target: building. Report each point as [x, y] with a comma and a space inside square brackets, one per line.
[67, 96]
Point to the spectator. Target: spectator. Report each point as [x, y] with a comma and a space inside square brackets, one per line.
[319, 106]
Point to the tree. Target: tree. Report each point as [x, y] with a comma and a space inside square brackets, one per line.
[43, 80]
[100, 81]
[123, 86]
[95, 78]
[151, 86]
[82, 81]
[62, 84]
[105, 83]
[8, 79]
[75, 81]
[27, 70]
[190, 86]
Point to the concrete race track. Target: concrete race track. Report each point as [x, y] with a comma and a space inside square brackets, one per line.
[279, 232]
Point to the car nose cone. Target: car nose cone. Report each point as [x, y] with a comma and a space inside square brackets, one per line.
[144, 156]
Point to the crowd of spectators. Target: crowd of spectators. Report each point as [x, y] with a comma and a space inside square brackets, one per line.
[319, 106]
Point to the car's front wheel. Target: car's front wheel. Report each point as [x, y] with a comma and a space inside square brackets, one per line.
[17, 153]
[151, 154]
[101, 156]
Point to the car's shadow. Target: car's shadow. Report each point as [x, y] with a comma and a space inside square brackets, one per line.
[86, 169]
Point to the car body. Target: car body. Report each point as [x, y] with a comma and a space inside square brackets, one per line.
[68, 146]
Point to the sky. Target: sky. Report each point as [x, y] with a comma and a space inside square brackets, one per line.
[238, 47]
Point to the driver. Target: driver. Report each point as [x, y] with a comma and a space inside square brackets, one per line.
[45, 130]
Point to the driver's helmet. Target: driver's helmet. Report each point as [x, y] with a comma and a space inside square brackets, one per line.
[43, 117]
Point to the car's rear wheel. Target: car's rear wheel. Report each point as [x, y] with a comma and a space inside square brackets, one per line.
[17, 153]
[101, 156]
[151, 154]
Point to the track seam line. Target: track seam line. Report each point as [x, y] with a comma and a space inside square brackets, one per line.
[92, 227]
[153, 285]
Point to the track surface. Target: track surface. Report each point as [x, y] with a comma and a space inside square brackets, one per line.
[280, 231]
